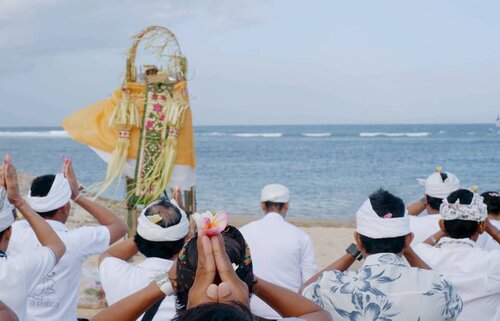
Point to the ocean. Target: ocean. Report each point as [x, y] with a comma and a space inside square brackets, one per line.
[330, 169]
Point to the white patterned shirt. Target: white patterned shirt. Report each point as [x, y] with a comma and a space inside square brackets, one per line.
[385, 289]
[475, 273]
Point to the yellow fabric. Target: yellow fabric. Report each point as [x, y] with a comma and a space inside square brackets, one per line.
[90, 126]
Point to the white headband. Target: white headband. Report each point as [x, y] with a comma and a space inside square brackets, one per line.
[475, 211]
[6, 216]
[369, 224]
[275, 193]
[155, 233]
[58, 196]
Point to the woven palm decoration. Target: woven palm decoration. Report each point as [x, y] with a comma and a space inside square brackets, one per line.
[146, 124]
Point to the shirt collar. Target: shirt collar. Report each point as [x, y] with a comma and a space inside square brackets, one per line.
[274, 216]
[58, 226]
[451, 242]
[384, 259]
[156, 263]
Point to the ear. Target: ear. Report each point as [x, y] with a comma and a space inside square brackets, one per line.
[263, 206]
[359, 244]
[285, 207]
[482, 227]
[441, 226]
[408, 240]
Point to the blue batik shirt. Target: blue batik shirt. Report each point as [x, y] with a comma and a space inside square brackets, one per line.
[385, 289]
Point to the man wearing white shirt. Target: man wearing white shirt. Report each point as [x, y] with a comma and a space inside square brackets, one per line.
[492, 201]
[385, 288]
[453, 251]
[161, 231]
[282, 253]
[55, 296]
[437, 187]
[19, 273]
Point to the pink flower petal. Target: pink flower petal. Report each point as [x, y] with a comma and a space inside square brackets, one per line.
[214, 231]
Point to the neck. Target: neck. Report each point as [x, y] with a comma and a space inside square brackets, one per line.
[432, 211]
[494, 217]
[272, 211]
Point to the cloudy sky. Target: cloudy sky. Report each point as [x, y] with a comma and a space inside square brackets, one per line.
[262, 61]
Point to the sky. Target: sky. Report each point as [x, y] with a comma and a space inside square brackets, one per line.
[262, 62]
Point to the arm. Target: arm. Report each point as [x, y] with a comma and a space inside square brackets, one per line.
[308, 262]
[131, 307]
[414, 260]
[342, 264]
[417, 207]
[117, 228]
[123, 250]
[43, 231]
[288, 303]
[492, 230]
[7, 314]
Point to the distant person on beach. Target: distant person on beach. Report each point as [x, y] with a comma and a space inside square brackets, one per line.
[452, 251]
[282, 253]
[161, 232]
[55, 297]
[492, 201]
[437, 187]
[385, 288]
[20, 272]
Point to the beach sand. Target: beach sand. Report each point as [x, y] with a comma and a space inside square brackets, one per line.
[330, 238]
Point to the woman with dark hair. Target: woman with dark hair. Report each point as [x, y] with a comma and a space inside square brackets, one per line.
[214, 285]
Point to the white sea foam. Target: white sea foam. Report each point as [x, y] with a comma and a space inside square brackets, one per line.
[212, 134]
[376, 134]
[41, 134]
[317, 134]
[258, 135]
[471, 133]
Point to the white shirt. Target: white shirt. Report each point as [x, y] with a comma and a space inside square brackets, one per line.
[56, 296]
[281, 253]
[19, 275]
[485, 240]
[474, 272]
[423, 227]
[120, 279]
[385, 289]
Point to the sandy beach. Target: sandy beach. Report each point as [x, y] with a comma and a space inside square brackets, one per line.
[330, 238]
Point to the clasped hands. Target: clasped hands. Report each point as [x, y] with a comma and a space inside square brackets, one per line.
[216, 280]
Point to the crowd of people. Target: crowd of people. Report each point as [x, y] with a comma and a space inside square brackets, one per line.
[437, 259]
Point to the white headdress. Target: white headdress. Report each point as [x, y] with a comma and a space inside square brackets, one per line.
[58, 196]
[436, 187]
[475, 211]
[152, 232]
[6, 216]
[369, 224]
[275, 193]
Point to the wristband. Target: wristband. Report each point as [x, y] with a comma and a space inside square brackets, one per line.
[77, 197]
[164, 284]
[353, 250]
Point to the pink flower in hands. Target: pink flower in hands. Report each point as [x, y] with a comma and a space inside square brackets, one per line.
[212, 224]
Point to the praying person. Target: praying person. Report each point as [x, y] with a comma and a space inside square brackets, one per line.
[161, 232]
[276, 243]
[492, 201]
[437, 187]
[55, 296]
[452, 251]
[385, 288]
[20, 272]
[214, 275]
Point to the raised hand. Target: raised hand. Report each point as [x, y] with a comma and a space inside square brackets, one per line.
[69, 173]
[11, 183]
[203, 290]
[232, 288]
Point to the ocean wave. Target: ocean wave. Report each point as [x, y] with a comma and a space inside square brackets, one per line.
[376, 134]
[44, 134]
[317, 134]
[258, 134]
[212, 134]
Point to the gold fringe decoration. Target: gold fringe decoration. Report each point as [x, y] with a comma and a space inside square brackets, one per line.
[125, 115]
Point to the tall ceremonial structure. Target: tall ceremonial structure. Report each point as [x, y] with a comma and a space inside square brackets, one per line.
[144, 130]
